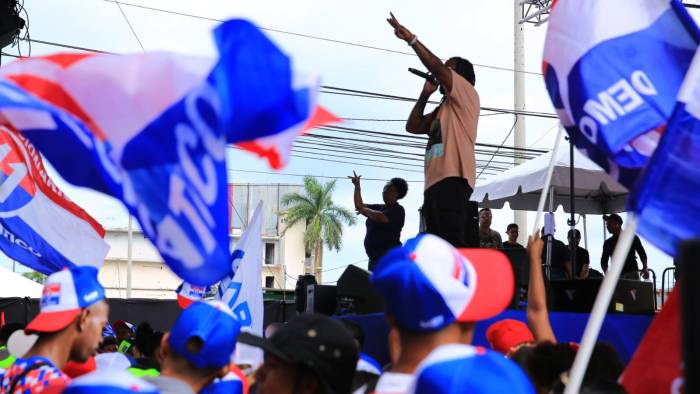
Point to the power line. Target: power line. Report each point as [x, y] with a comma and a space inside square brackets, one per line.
[504, 141]
[129, 23]
[313, 175]
[313, 37]
[336, 90]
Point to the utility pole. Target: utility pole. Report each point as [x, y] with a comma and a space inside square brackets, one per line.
[519, 96]
[129, 262]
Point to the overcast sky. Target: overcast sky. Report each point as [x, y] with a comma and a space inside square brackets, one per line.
[481, 31]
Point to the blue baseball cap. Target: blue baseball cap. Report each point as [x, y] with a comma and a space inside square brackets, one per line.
[459, 368]
[427, 284]
[214, 324]
[65, 293]
[110, 381]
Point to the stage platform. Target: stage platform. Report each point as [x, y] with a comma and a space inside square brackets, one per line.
[623, 331]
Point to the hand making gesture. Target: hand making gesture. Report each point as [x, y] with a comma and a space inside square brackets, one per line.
[355, 179]
[400, 31]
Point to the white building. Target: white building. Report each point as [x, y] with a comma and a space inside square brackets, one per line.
[284, 255]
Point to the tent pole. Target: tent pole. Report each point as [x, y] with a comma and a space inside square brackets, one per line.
[572, 223]
[585, 232]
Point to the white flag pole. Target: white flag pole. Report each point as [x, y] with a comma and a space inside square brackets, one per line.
[600, 307]
[547, 181]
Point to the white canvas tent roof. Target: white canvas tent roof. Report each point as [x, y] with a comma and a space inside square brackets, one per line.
[595, 191]
[15, 285]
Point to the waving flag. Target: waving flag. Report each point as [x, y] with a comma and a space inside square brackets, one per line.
[39, 226]
[151, 129]
[187, 294]
[613, 80]
[243, 291]
[667, 198]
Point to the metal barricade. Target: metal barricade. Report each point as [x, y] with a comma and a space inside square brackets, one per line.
[653, 281]
[667, 278]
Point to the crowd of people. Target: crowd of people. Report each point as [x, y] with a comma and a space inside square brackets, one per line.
[434, 297]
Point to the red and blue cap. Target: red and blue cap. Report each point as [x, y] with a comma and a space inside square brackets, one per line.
[188, 293]
[459, 368]
[214, 324]
[110, 381]
[65, 293]
[427, 284]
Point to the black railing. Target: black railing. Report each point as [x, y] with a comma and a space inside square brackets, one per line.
[664, 277]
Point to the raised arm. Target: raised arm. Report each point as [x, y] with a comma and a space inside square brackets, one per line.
[430, 61]
[357, 196]
[418, 123]
[537, 313]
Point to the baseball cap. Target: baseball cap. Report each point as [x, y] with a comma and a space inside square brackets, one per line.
[318, 342]
[213, 323]
[109, 381]
[75, 369]
[427, 284]
[506, 334]
[65, 293]
[468, 369]
[188, 293]
[614, 217]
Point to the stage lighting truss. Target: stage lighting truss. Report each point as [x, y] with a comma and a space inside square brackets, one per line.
[535, 11]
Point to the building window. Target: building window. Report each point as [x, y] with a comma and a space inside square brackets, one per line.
[269, 253]
[269, 282]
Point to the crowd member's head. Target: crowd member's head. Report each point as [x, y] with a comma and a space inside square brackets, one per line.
[512, 231]
[108, 345]
[485, 217]
[7, 330]
[356, 331]
[368, 369]
[613, 223]
[468, 369]
[123, 330]
[394, 190]
[545, 362]
[71, 318]
[200, 344]
[507, 336]
[602, 373]
[310, 354]
[574, 237]
[435, 293]
[463, 67]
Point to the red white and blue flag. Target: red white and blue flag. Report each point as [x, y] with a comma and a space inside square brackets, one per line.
[151, 129]
[613, 80]
[39, 226]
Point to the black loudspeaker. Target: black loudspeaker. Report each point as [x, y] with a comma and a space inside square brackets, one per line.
[320, 299]
[471, 230]
[630, 296]
[520, 263]
[356, 294]
[303, 281]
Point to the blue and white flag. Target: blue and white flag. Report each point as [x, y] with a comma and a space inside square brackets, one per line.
[151, 129]
[243, 291]
[667, 200]
[613, 70]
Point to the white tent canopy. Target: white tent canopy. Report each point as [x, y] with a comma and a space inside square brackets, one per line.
[595, 192]
[16, 285]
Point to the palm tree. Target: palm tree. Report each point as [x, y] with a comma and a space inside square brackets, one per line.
[324, 220]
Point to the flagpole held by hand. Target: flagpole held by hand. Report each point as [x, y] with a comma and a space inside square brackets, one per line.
[547, 181]
[600, 307]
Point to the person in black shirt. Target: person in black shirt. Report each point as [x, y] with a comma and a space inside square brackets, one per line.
[583, 259]
[512, 233]
[561, 258]
[630, 270]
[384, 221]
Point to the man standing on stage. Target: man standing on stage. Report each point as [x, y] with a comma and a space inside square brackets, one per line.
[450, 166]
[630, 269]
[384, 221]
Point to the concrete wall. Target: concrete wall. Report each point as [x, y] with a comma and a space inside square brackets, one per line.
[152, 279]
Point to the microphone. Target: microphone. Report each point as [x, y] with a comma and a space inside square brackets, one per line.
[423, 75]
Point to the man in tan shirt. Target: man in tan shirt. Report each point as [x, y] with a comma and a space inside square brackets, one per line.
[450, 165]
